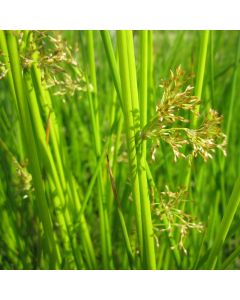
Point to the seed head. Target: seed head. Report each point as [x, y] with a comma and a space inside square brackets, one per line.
[169, 122]
[169, 210]
[56, 60]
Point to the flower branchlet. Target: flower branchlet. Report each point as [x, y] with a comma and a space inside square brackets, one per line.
[3, 67]
[169, 123]
[24, 178]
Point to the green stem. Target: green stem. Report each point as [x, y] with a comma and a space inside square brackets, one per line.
[234, 88]
[132, 112]
[201, 70]
[93, 101]
[225, 225]
[30, 146]
[129, 126]
[112, 61]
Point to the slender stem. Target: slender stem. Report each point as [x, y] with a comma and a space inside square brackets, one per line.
[225, 225]
[234, 88]
[199, 85]
[112, 61]
[126, 41]
[129, 125]
[30, 145]
[231, 258]
[146, 209]
[93, 100]
[201, 69]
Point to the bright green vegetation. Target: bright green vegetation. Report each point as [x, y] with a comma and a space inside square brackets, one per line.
[114, 156]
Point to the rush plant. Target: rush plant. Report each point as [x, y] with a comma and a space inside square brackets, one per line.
[118, 150]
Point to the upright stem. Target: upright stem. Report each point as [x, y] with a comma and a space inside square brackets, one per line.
[30, 146]
[136, 155]
[112, 61]
[143, 101]
[129, 126]
[151, 100]
[234, 87]
[93, 101]
[199, 85]
[201, 69]
[143, 76]
[227, 219]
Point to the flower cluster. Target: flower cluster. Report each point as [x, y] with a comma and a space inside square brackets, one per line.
[59, 69]
[169, 123]
[168, 210]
